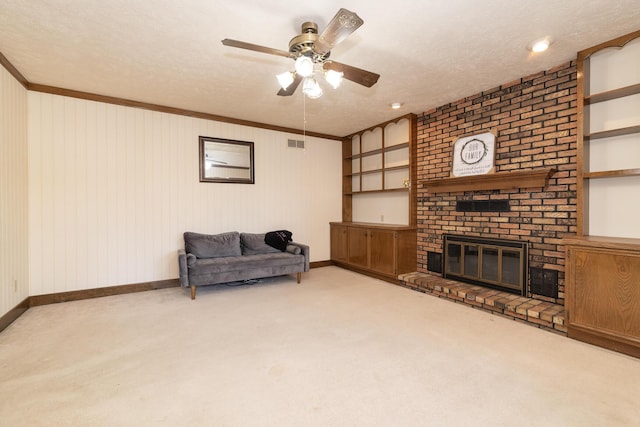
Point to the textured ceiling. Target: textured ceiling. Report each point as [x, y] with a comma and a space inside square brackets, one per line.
[168, 52]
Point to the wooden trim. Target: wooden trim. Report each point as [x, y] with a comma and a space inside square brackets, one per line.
[375, 225]
[600, 242]
[170, 110]
[13, 71]
[148, 106]
[9, 317]
[413, 171]
[37, 300]
[582, 158]
[369, 273]
[410, 117]
[594, 337]
[617, 42]
[494, 181]
[318, 264]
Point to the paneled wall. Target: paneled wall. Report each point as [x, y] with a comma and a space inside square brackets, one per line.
[14, 273]
[112, 189]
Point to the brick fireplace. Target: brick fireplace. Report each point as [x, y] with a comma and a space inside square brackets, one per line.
[535, 121]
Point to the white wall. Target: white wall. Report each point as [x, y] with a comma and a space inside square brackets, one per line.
[14, 272]
[614, 202]
[112, 189]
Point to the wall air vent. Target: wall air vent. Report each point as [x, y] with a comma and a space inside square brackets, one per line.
[293, 143]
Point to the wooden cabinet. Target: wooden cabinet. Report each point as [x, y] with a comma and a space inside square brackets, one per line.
[358, 247]
[603, 292]
[608, 136]
[382, 251]
[339, 243]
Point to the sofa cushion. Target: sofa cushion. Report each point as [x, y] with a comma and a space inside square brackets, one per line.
[212, 245]
[245, 262]
[253, 244]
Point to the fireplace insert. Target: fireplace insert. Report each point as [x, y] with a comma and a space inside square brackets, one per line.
[494, 263]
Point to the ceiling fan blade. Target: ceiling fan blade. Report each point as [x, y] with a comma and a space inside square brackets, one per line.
[341, 26]
[356, 75]
[255, 47]
[292, 87]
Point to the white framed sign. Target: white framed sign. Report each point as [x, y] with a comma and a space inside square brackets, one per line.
[474, 155]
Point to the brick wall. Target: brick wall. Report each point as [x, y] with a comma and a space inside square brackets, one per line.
[535, 120]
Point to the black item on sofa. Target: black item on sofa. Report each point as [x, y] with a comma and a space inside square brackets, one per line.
[278, 239]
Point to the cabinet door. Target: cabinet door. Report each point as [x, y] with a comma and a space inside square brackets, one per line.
[383, 250]
[604, 293]
[359, 247]
[339, 241]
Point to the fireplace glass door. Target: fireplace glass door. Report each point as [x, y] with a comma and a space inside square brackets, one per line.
[489, 262]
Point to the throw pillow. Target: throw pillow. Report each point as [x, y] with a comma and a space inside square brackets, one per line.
[253, 244]
[212, 245]
[293, 249]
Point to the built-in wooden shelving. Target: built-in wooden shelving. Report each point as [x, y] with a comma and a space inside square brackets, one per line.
[379, 151]
[614, 132]
[612, 94]
[612, 173]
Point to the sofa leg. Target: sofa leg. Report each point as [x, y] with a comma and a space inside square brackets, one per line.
[193, 292]
[299, 277]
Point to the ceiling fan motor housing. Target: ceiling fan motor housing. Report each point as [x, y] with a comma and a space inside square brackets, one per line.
[303, 44]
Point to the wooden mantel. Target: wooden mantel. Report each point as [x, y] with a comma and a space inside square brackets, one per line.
[494, 181]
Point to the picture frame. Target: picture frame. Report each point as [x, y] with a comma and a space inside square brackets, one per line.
[226, 161]
[474, 155]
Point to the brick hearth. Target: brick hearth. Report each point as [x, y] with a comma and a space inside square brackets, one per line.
[541, 314]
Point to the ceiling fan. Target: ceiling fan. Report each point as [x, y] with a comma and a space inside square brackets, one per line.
[311, 51]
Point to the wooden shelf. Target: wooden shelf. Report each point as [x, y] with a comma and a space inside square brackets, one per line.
[392, 168]
[612, 94]
[494, 181]
[612, 173]
[379, 151]
[614, 132]
[379, 191]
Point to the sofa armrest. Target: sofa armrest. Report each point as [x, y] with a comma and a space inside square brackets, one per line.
[304, 250]
[182, 268]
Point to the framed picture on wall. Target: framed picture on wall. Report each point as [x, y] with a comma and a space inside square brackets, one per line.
[474, 155]
[226, 160]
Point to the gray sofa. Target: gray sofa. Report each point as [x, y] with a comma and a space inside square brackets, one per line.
[209, 259]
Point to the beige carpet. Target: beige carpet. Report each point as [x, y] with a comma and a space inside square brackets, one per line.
[340, 349]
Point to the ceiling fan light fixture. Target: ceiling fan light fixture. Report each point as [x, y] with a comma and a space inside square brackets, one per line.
[304, 66]
[334, 78]
[285, 79]
[311, 88]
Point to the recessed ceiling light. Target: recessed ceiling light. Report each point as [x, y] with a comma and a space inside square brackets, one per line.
[540, 45]
[396, 105]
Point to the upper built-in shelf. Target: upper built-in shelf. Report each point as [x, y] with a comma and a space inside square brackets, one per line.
[494, 181]
[612, 173]
[379, 151]
[613, 132]
[612, 94]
